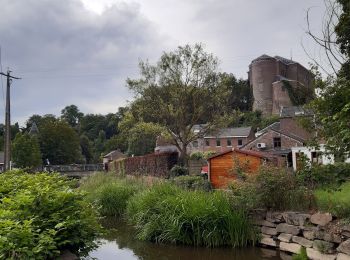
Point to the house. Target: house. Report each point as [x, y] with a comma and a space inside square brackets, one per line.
[221, 140]
[112, 156]
[222, 166]
[276, 81]
[279, 137]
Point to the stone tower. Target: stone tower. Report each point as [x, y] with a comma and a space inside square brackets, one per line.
[270, 78]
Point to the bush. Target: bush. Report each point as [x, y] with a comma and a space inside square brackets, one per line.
[336, 202]
[192, 183]
[272, 188]
[167, 213]
[331, 175]
[41, 215]
[178, 170]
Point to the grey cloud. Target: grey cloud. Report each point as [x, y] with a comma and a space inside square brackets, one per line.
[67, 54]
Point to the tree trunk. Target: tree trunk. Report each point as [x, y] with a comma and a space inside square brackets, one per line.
[183, 159]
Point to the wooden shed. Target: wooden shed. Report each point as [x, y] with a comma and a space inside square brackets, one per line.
[223, 167]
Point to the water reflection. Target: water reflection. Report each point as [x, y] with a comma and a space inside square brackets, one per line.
[120, 243]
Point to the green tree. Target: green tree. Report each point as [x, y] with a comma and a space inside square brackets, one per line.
[86, 149]
[179, 91]
[142, 138]
[71, 115]
[59, 142]
[26, 151]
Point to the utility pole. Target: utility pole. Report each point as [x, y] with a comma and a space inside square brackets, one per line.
[7, 155]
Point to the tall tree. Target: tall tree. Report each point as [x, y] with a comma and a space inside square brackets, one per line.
[179, 91]
[71, 115]
[26, 151]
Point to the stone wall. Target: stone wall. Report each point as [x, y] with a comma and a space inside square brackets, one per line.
[323, 236]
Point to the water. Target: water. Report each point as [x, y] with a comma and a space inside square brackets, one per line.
[120, 243]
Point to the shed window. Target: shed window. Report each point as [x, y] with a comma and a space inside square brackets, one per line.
[240, 142]
[229, 143]
[218, 142]
[277, 142]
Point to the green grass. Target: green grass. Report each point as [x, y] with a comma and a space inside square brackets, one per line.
[168, 214]
[336, 201]
[110, 193]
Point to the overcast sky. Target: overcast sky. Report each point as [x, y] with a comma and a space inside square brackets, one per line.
[81, 51]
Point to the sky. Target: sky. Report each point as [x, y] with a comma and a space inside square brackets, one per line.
[82, 51]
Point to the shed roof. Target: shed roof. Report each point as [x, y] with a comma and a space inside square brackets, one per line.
[247, 152]
[295, 111]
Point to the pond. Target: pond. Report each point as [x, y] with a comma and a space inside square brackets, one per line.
[120, 243]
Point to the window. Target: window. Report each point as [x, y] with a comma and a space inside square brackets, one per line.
[195, 143]
[207, 143]
[316, 157]
[229, 143]
[240, 142]
[277, 142]
[218, 142]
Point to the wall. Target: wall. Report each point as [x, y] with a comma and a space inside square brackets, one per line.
[323, 236]
[267, 138]
[221, 168]
[280, 97]
[325, 159]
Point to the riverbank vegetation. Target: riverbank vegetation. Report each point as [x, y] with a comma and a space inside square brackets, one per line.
[42, 215]
[163, 212]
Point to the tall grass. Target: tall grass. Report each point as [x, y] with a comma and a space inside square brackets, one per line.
[335, 201]
[167, 213]
[110, 193]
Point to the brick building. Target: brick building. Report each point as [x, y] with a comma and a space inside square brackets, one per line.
[222, 140]
[272, 79]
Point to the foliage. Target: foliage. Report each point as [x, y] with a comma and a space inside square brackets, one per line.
[272, 188]
[299, 95]
[166, 213]
[324, 176]
[178, 170]
[41, 214]
[255, 119]
[201, 155]
[142, 138]
[86, 149]
[192, 183]
[71, 115]
[302, 255]
[181, 90]
[26, 151]
[110, 193]
[335, 201]
[59, 142]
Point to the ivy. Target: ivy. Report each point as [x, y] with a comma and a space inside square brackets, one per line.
[298, 95]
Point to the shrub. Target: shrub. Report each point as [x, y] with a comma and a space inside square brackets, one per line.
[271, 188]
[41, 215]
[167, 213]
[197, 156]
[335, 201]
[302, 255]
[192, 183]
[331, 175]
[178, 170]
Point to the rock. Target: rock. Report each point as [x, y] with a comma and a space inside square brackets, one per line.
[345, 233]
[346, 228]
[290, 247]
[264, 235]
[264, 223]
[274, 217]
[284, 237]
[323, 235]
[269, 231]
[342, 256]
[321, 219]
[258, 214]
[309, 234]
[302, 241]
[316, 255]
[344, 247]
[268, 241]
[286, 228]
[294, 218]
[323, 246]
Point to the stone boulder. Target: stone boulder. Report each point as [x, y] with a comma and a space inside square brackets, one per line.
[290, 247]
[294, 218]
[309, 234]
[284, 237]
[302, 241]
[344, 247]
[321, 219]
[274, 217]
[286, 228]
[342, 256]
[316, 255]
[269, 231]
[268, 242]
[323, 246]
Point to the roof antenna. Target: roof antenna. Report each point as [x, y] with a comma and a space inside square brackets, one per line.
[291, 54]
